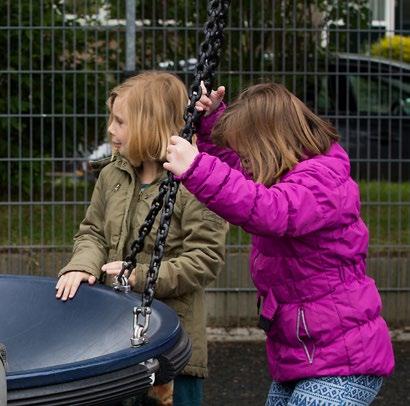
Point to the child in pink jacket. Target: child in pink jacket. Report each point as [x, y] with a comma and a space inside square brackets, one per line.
[278, 171]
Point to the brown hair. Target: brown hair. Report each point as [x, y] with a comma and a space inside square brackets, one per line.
[155, 103]
[274, 128]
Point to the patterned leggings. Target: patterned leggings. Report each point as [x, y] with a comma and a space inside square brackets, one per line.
[355, 390]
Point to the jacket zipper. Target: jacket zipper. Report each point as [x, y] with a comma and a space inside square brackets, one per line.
[301, 318]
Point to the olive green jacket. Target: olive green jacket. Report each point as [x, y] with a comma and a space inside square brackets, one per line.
[194, 251]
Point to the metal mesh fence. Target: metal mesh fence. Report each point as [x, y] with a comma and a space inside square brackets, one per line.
[348, 60]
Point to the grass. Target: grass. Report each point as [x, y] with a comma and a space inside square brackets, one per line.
[53, 222]
[385, 209]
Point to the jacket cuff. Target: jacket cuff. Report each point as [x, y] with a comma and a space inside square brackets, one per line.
[191, 169]
[82, 268]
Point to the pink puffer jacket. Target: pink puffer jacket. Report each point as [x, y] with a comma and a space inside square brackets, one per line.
[308, 261]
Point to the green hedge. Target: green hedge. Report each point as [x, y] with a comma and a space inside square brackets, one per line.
[56, 75]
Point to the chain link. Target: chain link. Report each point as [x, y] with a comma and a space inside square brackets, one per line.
[208, 61]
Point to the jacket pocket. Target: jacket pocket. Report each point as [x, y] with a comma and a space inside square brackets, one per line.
[267, 314]
[303, 335]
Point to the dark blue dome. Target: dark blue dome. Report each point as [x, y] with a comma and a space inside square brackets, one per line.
[54, 343]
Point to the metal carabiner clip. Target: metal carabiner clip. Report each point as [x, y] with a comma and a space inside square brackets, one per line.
[139, 330]
[121, 283]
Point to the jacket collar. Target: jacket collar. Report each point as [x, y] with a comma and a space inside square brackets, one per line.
[123, 164]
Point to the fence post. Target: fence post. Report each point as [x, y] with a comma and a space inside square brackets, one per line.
[3, 385]
[130, 39]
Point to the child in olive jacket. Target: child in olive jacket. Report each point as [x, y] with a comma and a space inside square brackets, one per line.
[145, 111]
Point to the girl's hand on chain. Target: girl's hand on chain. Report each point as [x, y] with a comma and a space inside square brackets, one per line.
[210, 103]
[180, 155]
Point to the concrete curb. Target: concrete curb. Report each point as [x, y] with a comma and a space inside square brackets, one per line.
[400, 334]
[235, 334]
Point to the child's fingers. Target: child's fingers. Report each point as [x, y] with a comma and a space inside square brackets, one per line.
[203, 103]
[218, 94]
[68, 284]
[92, 279]
[200, 104]
[59, 282]
[221, 91]
[112, 268]
[174, 140]
[60, 291]
[178, 145]
[203, 87]
[74, 287]
[206, 100]
[60, 286]
[64, 284]
[112, 271]
[66, 291]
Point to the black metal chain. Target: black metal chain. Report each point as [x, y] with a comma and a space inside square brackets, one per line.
[208, 61]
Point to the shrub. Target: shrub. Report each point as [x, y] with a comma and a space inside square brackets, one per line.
[396, 47]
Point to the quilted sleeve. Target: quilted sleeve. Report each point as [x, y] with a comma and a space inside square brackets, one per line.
[288, 208]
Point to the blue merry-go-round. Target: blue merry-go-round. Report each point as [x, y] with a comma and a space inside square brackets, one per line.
[78, 352]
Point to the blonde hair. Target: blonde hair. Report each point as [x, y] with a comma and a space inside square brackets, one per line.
[275, 129]
[155, 105]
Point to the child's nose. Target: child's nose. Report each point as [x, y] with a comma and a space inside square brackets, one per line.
[111, 128]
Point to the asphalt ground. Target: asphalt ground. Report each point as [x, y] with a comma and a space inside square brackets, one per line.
[238, 375]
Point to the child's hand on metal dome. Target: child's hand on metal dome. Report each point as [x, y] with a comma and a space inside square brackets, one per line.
[209, 103]
[68, 284]
[180, 155]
